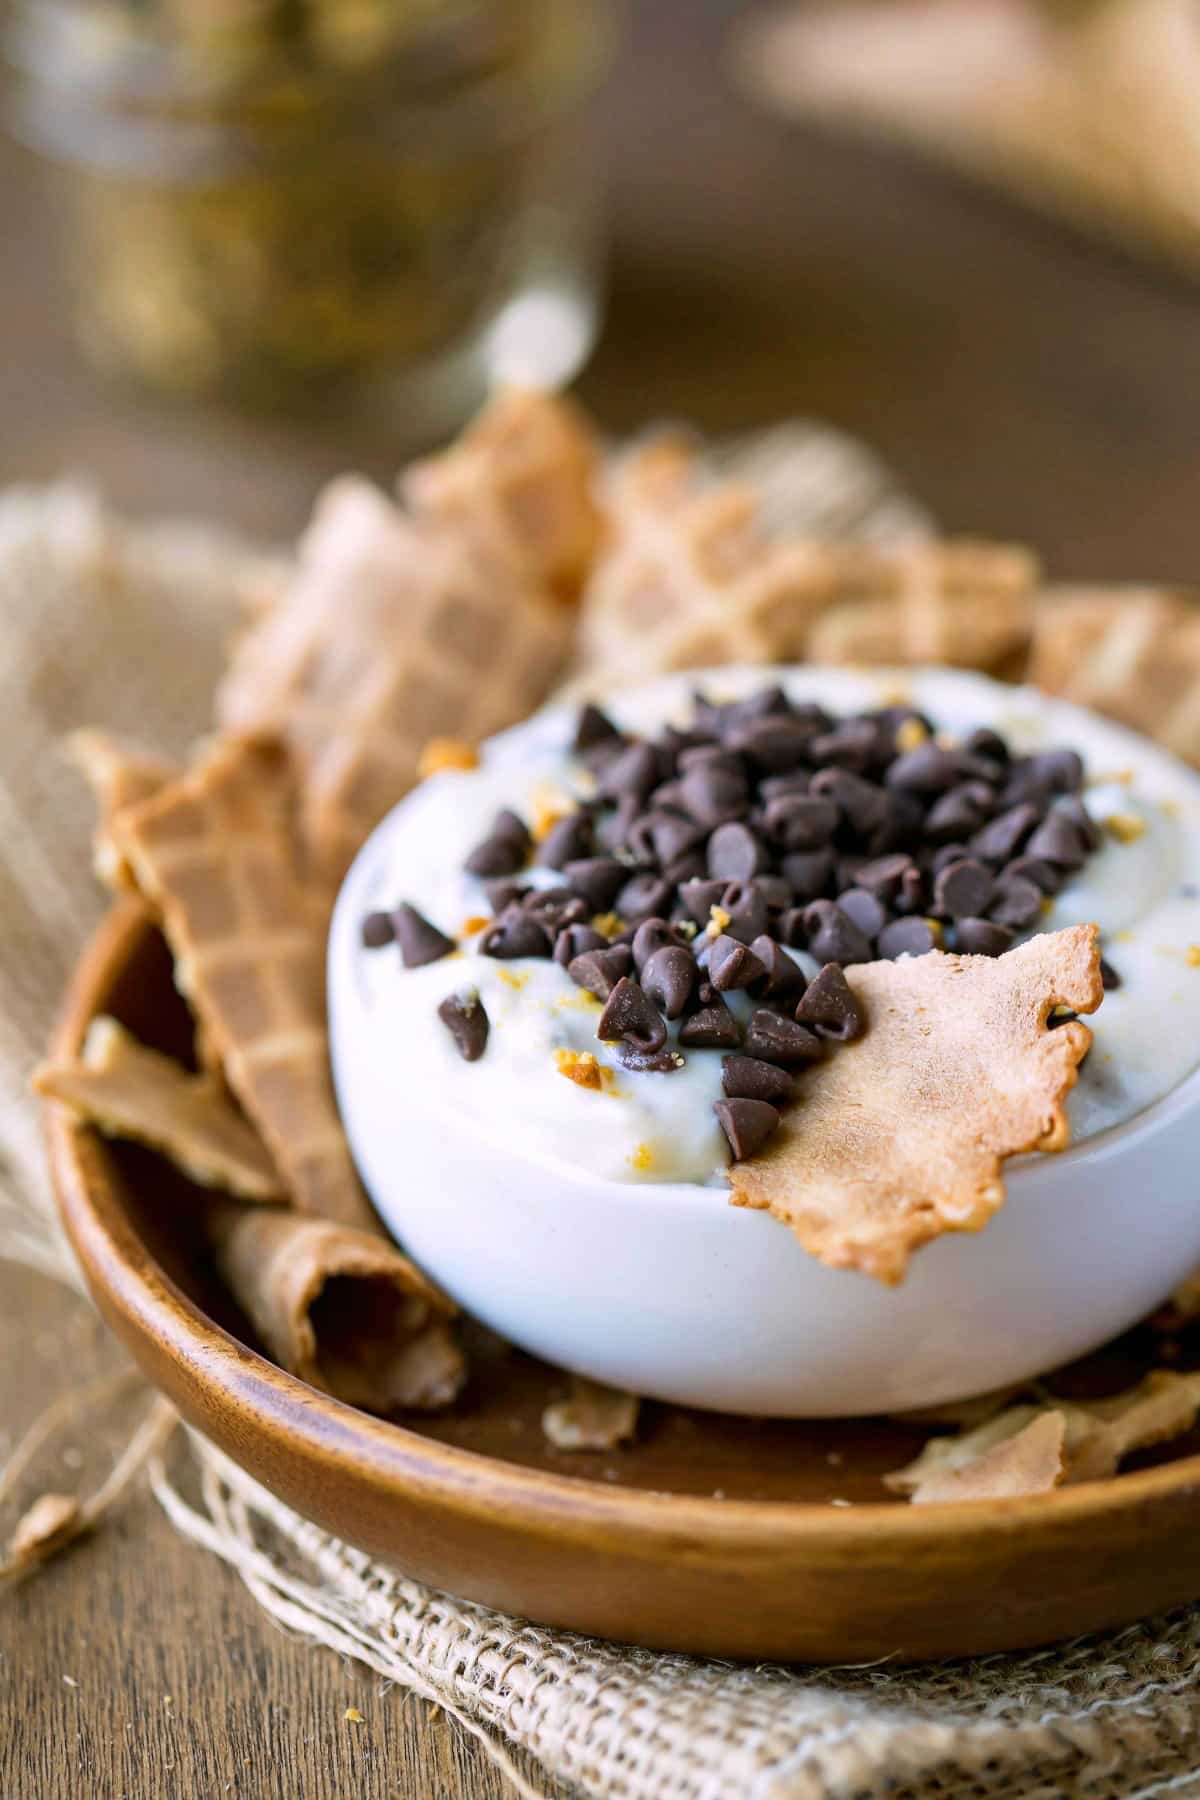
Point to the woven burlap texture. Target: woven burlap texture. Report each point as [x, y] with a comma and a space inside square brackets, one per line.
[107, 624]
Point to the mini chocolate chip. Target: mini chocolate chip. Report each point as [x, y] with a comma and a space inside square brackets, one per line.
[1060, 770]
[669, 977]
[983, 741]
[597, 879]
[784, 787]
[514, 934]
[465, 1019]
[631, 774]
[1108, 976]
[845, 872]
[867, 912]
[926, 770]
[714, 793]
[1025, 786]
[496, 856]
[776, 890]
[503, 892]
[789, 928]
[554, 908]
[593, 727]
[784, 981]
[747, 910]
[808, 872]
[1058, 840]
[833, 936]
[776, 1039]
[960, 812]
[713, 1027]
[964, 889]
[735, 854]
[651, 935]
[1043, 875]
[630, 1014]
[1017, 902]
[764, 702]
[883, 875]
[732, 965]
[643, 896]
[773, 743]
[943, 856]
[982, 937]
[830, 1006]
[690, 867]
[864, 805]
[710, 755]
[600, 970]
[611, 832]
[699, 897]
[649, 1062]
[747, 1124]
[566, 842]
[1073, 808]
[419, 941]
[999, 841]
[854, 744]
[801, 822]
[576, 940]
[377, 929]
[906, 937]
[672, 836]
[749, 1078]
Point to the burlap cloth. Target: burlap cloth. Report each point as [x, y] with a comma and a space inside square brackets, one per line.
[123, 626]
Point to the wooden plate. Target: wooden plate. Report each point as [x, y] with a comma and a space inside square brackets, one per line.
[712, 1534]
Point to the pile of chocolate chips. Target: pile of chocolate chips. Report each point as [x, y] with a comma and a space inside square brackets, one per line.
[700, 854]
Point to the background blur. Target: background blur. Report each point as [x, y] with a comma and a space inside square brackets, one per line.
[1023, 378]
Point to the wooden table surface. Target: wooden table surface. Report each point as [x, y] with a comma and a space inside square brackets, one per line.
[1023, 381]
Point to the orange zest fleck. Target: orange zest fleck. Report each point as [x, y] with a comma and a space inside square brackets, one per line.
[470, 926]
[446, 753]
[581, 1067]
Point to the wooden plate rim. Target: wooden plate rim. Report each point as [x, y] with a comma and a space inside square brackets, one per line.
[121, 1271]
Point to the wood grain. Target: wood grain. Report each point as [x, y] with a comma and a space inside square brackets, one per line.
[1024, 382]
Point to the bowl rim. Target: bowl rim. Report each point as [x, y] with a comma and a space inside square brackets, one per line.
[126, 1279]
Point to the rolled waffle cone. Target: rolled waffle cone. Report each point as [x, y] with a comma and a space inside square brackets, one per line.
[395, 630]
[1133, 653]
[213, 854]
[691, 578]
[523, 476]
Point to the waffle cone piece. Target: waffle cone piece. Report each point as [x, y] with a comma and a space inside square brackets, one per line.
[901, 1136]
[121, 772]
[1133, 653]
[213, 854]
[522, 477]
[131, 1091]
[691, 578]
[341, 1308]
[394, 630]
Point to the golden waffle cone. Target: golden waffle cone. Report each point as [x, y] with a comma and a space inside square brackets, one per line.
[691, 578]
[523, 475]
[1133, 653]
[958, 601]
[394, 631]
[213, 854]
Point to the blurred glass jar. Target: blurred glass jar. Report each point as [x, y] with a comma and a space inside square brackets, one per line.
[299, 201]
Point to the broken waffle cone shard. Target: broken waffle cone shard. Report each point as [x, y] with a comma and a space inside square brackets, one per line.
[689, 576]
[901, 1136]
[341, 1308]
[214, 856]
[1030, 1461]
[394, 630]
[524, 473]
[1132, 653]
[121, 772]
[592, 1417]
[130, 1091]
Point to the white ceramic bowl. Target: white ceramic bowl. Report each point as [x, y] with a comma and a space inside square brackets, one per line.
[668, 1290]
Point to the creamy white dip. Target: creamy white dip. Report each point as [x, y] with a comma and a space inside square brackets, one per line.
[1142, 888]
